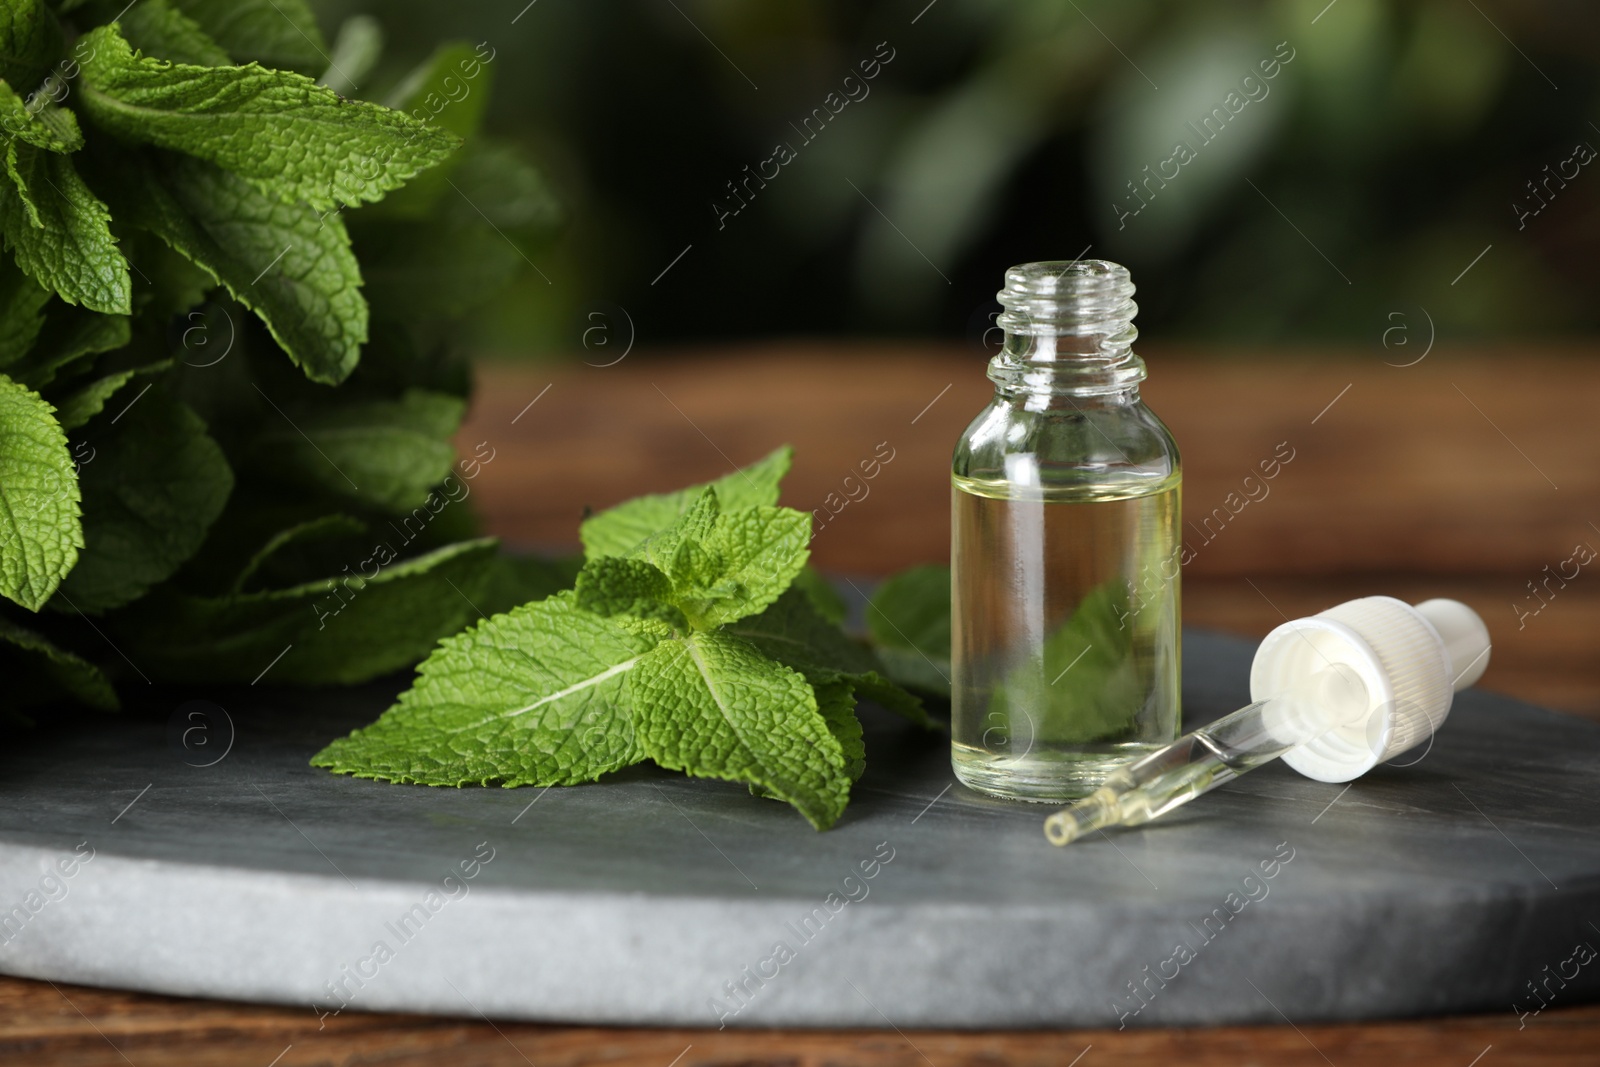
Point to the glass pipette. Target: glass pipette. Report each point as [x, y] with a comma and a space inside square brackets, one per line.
[1344, 690]
[1198, 762]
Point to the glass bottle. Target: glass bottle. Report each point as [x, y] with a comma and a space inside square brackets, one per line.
[1065, 547]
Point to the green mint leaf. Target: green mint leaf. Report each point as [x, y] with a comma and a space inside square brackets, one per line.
[284, 262]
[177, 289]
[421, 269]
[59, 232]
[22, 302]
[909, 621]
[620, 530]
[161, 30]
[449, 257]
[152, 489]
[355, 52]
[49, 127]
[296, 140]
[836, 703]
[613, 585]
[70, 335]
[823, 596]
[311, 546]
[388, 454]
[450, 88]
[795, 634]
[892, 696]
[666, 547]
[1084, 688]
[30, 39]
[712, 706]
[84, 404]
[274, 33]
[495, 184]
[381, 615]
[538, 696]
[40, 532]
[760, 550]
[81, 405]
[39, 672]
[724, 566]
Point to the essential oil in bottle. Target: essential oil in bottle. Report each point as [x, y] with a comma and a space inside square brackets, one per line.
[1066, 508]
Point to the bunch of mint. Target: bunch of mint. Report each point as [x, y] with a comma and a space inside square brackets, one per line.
[184, 494]
[694, 637]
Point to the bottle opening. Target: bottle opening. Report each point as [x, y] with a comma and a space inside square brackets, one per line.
[1087, 298]
[1073, 319]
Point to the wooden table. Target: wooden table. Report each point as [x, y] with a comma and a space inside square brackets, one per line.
[1465, 475]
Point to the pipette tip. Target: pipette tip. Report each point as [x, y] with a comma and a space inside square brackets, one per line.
[1094, 812]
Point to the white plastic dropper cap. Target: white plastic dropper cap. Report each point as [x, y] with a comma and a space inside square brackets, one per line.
[1413, 660]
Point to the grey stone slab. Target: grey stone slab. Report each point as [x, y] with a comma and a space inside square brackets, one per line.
[1445, 886]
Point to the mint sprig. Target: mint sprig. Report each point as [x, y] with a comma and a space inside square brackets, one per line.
[198, 243]
[267, 126]
[40, 528]
[690, 646]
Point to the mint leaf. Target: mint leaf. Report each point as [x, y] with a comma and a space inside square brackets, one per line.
[22, 302]
[69, 335]
[792, 631]
[355, 53]
[162, 31]
[495, 184]
[620, 530]
[274, 33]
[450, 89]
[47, 126]
[84, 404]
[466, 246]
[760, 550]
[665, 547]
[724, 566]
[432, 268]
[59, 232]
[909, 621]
[154, 487]
[795, 634]
[823, 596]
[38, 672]
[612, 585]
[537, 696]
[386, 454]
[712, 706]
[836, 703]
[40, 532]
[78, 407]
[30, 38]
[284, 262]
[289, 553]
[296, 140]
[382, 615]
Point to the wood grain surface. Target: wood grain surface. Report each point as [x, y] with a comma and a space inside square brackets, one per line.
[1465, 475]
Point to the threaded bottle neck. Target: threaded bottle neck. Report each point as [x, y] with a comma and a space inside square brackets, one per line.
[1068, 330]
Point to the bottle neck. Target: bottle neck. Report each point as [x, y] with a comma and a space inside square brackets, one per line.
[1068, 332]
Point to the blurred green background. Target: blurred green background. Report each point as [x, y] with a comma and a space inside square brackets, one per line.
[1394, 146]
